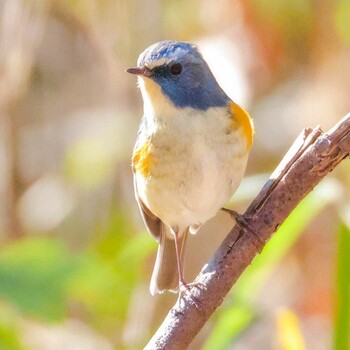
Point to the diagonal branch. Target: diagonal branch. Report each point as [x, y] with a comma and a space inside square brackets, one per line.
[313, 155]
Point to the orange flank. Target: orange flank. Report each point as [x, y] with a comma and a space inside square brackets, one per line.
[141, 160]
[243, 119]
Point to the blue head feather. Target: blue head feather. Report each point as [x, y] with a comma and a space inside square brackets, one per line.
[194, 87]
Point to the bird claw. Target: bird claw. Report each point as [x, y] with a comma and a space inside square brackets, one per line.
[186, 289]
[243, 224]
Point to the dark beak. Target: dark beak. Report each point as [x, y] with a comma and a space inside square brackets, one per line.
[146, 72]
[136, 71]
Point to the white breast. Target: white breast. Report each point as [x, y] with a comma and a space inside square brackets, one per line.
[196, 165]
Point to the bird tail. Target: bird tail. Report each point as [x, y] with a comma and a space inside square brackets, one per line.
[165, 275]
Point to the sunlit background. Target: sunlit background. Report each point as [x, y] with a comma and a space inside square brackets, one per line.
[75, 259]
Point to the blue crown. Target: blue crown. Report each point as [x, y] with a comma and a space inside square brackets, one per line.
[172, 50]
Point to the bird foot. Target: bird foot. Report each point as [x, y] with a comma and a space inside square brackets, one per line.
[243, 224]
[186, 289]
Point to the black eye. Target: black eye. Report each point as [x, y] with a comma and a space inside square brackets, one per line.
[176, 69]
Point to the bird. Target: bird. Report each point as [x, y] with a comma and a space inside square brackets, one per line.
[190, 154]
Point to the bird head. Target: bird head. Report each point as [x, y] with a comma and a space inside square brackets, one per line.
[174, 74]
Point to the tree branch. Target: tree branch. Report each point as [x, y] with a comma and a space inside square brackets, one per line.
[313, 155]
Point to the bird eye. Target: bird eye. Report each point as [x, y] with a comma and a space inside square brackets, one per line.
[176, 69]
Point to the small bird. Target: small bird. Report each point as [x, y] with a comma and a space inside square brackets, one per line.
[190, 154]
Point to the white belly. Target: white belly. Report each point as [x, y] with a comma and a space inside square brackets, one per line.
[195, 172]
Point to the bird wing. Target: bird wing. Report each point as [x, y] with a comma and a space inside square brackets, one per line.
[141, 164]
[154, 225]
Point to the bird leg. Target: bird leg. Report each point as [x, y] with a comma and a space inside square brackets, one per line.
[178, 257]
[184, 287]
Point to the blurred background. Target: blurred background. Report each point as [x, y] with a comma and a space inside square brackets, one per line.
[75, 259]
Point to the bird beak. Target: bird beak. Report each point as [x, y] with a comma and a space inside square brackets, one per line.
[136, 71]
[144, 71]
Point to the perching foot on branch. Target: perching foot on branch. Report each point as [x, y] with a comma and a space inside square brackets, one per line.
[244, 225]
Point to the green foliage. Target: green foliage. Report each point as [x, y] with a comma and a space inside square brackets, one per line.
[109, 270]
[342, 20]
[232, 321]
[9, 339]
[190, 18]
[238, 313]
[90, 162]
[285, 15]
[33, 274]
[42, 277]
[342, 299]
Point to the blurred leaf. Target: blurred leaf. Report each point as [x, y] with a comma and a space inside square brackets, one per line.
[105, 286]
[137, 249]
[121, 247]
[247, 287]
[33, 273]
[90, 161]
[342, 19]
[95, 286]
[110, 269]
[233, 321]
[189, 21]
[342, 298]
[9, 335]
[9, 339]
[289, 330]
[286, 15]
